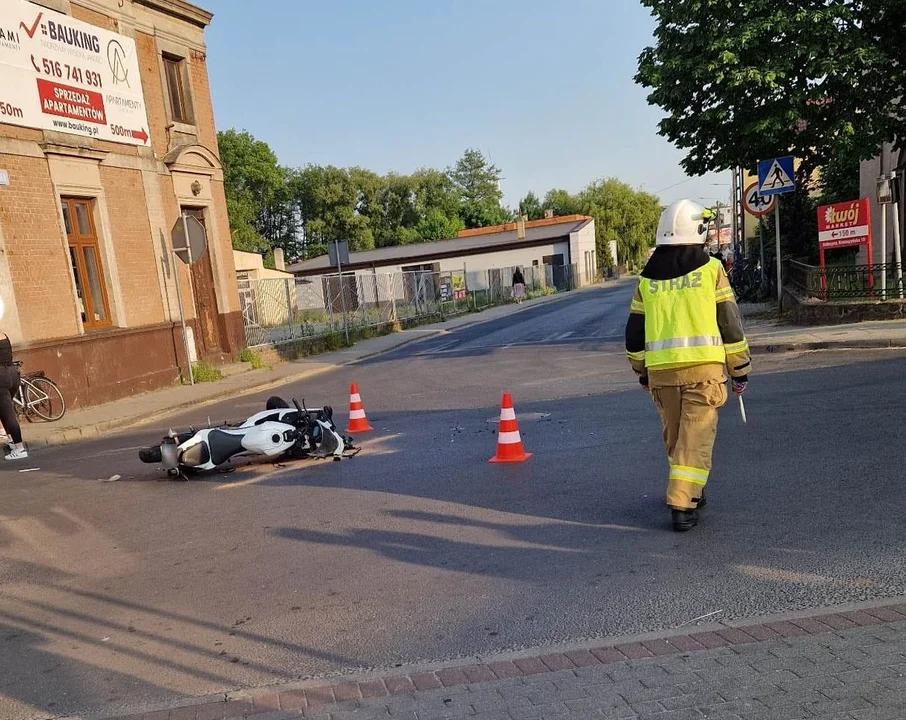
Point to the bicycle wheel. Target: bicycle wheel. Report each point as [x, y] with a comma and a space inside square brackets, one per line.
[44, 399]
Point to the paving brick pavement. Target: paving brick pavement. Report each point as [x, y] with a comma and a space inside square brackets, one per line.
[847, 665]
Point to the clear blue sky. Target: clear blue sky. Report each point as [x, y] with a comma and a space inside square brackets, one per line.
[544, 88]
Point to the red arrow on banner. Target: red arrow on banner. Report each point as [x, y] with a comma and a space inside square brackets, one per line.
[140, 135]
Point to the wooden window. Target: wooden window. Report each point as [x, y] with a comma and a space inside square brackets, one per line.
[176, 89]
[85, 259]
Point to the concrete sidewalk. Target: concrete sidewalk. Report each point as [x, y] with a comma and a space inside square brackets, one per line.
[89, 423]
[770, 337]
[843, 664]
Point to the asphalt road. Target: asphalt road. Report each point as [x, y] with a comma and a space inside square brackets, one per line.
[114, 595]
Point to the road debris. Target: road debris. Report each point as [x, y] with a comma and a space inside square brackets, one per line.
[700, 617]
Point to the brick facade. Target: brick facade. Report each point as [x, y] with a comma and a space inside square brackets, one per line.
[135, 195]
[34, 246]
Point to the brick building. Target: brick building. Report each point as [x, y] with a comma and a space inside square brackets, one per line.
[106, 134]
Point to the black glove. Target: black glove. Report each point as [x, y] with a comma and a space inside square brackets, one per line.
[643, 381]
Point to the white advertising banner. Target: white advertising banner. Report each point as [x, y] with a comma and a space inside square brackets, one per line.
[61, 74]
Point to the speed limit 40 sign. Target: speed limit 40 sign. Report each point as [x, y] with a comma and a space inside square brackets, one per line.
[755, 203]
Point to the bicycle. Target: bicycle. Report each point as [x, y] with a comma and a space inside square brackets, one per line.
[38, 395]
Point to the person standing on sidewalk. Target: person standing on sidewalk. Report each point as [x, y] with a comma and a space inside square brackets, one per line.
[9, 386]
[518, 284]
[684, 332]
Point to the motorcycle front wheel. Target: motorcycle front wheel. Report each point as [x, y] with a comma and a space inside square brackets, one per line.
[151, 455]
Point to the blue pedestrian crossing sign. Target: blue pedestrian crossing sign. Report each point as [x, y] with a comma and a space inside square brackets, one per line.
[776, 177]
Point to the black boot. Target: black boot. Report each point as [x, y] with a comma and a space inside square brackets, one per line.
[684, 520]
[702, 501]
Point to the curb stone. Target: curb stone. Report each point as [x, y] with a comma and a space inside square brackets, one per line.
[776, 348]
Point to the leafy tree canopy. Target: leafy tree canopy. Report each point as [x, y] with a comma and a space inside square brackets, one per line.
[743, 81]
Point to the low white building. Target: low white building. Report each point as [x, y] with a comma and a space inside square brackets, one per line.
[264, 304]
[560, 250]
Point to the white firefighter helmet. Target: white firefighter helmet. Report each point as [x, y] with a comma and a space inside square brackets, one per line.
[684, 223]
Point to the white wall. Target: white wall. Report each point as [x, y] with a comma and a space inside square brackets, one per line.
[582, 252]
[310, 294]
[506, 258]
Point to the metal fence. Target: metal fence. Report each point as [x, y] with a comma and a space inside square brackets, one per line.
[847, 282]
[279, 311]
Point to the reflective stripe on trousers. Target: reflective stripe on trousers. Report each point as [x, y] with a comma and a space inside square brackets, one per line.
[697, 476]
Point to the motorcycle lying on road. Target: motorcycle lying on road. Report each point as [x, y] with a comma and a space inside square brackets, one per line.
[278, 432]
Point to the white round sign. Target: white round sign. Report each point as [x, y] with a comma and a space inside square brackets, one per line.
[756, 204]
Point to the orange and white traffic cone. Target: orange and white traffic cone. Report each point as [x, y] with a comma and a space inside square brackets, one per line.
[358, 423]
[509, 441]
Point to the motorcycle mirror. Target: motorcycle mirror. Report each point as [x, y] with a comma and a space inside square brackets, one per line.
[296, 403]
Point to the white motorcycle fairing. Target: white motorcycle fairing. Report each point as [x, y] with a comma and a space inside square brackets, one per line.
[214, 446]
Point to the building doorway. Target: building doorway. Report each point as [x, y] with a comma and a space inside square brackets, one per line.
[207, 335]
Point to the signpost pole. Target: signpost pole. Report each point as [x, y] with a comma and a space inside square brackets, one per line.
[883, 251]
[342, 293]
[897, 251]
[777, 256]
[761, 250]
[182, 312]
[734, 203]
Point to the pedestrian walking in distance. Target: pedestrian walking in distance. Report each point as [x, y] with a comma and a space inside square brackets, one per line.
[518, 285]
[683, 335]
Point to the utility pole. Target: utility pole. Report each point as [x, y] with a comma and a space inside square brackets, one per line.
[734, 184]
[897, 251]
[883, 205]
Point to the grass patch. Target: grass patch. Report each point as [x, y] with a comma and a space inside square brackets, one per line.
[204, 372]
[251, 357]
[540, 292]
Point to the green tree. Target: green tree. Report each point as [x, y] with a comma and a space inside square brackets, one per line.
[622, 214]
[398, 218]
[743, 81]
[253, 181]
[531, 207]
[278, 221]
[561, 202]
[329, 201]
[798, 225]
[436, 225]
[437, 205]
[478, 184]
[839, 179]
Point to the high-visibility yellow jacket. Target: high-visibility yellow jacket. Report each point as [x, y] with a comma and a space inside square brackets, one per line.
[687, 329]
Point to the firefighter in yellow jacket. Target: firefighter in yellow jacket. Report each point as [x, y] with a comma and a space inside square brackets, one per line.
[684, 332]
